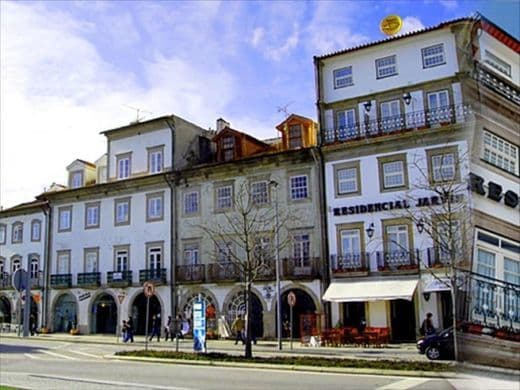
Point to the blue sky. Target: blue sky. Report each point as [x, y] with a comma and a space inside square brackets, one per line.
[70, 69]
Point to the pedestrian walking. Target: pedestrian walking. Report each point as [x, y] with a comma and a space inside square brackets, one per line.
[427, 327]
[124, 331]
[168, 329]
[130, 329]
[237, 327]
[156, 327]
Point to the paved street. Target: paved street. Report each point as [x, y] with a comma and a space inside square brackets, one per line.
[38, 363]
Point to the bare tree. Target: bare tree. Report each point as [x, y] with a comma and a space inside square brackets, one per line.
[245, 240]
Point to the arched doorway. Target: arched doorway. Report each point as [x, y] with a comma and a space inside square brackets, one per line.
[237, 305]
[304, 305]
[65, 313]
[5, 310]
[139, 313]
[211, 312]
[104, 314]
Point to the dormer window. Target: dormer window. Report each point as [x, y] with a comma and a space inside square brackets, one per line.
[76, 179]
[295, 136]
[228, 148]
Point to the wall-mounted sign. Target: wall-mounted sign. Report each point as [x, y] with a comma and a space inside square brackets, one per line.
[83, 296]
[494, 191]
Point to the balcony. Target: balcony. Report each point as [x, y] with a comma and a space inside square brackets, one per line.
[351, 264]
[497, 84]
[430, 118]
[61, 281]
[397, 262]
[89, 279]
[155, 275]
[223, 272]
[191, 273]
[37, 280]
[298, 268]
[119, 278]
[436, 258]
[267, 272]
[5, 281]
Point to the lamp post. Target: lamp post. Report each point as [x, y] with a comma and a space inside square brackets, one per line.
[277, 268]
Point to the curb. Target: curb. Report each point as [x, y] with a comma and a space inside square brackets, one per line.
[471, 367]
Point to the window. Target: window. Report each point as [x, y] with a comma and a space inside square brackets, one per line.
[500, 153]
[17, 233]
[224, 252]
[443, 165]
[446, 243]
[154, 207]
[299, 187]
[122, 211]
[65, 219]
[512, 300]
[350, 247]
[263, 250]
[228, 148]
[16, 263]
[484, 295]
[259, 193]
[35, 267]
[386, 67]
[343, 77]
[92, 215]
[224, 197]
[438, 105]
[3, 234]
[295, 136]
[433, 56]
[2, 268]
[347, 179]
[191, 202]
[91, 260]
[63, 262]
[154, 258]
[497, 63]
[393, 173]
[191, 254]
[397, 239]
[346, 121]
[76, 179]
[123, 166]
[36, 228]
[391, 115]
[155, 159]
[301, 250]
[122, 259]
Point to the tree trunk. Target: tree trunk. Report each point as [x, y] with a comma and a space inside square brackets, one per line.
[454, 312]
[248, 348]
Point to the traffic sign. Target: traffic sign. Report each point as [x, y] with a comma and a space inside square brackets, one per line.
[291, 299]
[148, 289]
[20, 279]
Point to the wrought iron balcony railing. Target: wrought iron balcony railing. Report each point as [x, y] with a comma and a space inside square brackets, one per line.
[191, 273]
[61, 281]
[498, 84]
[37, 280]
[400, 260]
[89, 279]
[218, 272]
[119, 278]
[397, 124]
[5, 280]
[156, 275]
[301, 268]
[350, 263]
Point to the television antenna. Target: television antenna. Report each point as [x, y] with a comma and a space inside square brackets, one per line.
[137, 111]
[284, 109]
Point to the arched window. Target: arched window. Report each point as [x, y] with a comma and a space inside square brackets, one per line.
[16, 263]
[35, 266]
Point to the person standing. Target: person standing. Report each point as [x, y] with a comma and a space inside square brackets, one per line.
[427, 327]
[237, 327]
[156, 327]
[130, 329]
[124, 331]
[168, 329]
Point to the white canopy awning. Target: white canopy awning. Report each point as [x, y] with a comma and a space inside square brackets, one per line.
[434, 285]
[371, 290]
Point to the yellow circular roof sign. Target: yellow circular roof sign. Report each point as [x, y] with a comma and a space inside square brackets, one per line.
[391, 25]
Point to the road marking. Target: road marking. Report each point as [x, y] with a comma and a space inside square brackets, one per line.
[31, 356]
[61, 346]
[116, 383]
[86, 354]
[404, 384]
[58, 355]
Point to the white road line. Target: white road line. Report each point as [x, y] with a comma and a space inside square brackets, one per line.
[61, 346]
[58, 355]
[404, 384]
[31, 356]
[86, 354]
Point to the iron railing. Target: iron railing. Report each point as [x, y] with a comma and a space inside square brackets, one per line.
[119, 278]
[190, 273]
[61, 281]
[496, 83]
[37, 280]
[301, 268]
[156, 275]
[397, 260]
[89, 279]
[350, 262]
[5, 280]
[218, 272]
[397, 124]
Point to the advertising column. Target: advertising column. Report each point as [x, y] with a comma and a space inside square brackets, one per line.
[199, 326]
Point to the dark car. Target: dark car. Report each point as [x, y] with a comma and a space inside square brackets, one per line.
[437, 346]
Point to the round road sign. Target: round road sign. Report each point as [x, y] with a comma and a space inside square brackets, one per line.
[148, 289]
[19, 280]
[291, 299]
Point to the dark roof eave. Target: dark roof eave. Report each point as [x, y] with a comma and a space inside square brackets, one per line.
[129, 126]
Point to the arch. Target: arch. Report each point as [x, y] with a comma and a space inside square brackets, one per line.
[235, 304]
[16, 262]
[138, 312]
[65, 313]
[212, 312]
[305, 304]
[5, 310]
[103, 314]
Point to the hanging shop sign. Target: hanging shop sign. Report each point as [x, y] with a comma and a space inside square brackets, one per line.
[494, 191]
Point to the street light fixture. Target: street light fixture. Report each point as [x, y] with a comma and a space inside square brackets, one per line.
[277, 266]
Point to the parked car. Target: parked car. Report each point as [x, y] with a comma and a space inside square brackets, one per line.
[438, 345]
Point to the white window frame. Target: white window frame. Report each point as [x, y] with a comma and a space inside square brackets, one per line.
[191, 204]
[76, 180]
[122, 259]
[124, 166]
[224, 252]
[386, 66]
[154, 207]
[224, 197]
[301, 249]
[36, 230]
[228, 147]
[388, 175]
[444, 167]
[17, 233]
[3, 234]
[295, 136]
[155, 257]
[500, 153]
[497, 63]
[155, 160]
[346, 123]
[92, 215]
[346, 183]
[299, 187]
[65, 219]
[34, 264]
[63, 262]
[122, 211]
[191, 254]
[343, 77]
[260, 192]
[91, 255]
[433, 56]
[16, 263]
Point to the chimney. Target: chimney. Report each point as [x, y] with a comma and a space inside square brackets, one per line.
[221, 124]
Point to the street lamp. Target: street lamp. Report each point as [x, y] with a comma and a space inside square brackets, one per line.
[277, 267]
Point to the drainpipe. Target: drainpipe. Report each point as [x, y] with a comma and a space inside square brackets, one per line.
[173, 224]
[47, 211]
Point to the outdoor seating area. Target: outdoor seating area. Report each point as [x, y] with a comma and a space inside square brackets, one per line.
[369, 337]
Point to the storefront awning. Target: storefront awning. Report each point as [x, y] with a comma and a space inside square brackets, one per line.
[434, 285]
[371, 290]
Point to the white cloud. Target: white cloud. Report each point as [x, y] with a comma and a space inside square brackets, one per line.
[449, 4]
[258, 34]
[411, 23]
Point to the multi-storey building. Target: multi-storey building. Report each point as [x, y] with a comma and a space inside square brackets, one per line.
[400, 119]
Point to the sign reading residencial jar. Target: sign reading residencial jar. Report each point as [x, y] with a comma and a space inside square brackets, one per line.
[199, 326]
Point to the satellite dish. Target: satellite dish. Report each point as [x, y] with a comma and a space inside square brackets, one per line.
[391, 25]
